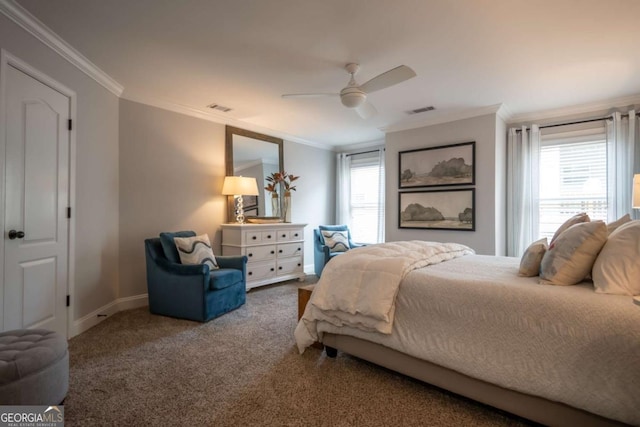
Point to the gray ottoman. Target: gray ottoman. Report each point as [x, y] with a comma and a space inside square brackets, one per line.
[34, 367]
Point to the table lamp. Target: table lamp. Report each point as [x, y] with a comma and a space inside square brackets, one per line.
[238, 186]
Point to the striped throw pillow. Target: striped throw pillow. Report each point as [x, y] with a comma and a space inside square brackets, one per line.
[196, 250]
[337, 241]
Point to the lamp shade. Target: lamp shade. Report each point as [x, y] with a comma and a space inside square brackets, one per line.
[636, 191]
[239, 186]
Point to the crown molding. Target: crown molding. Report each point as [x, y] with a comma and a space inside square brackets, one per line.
[414, 123]
[219, 118]
[46, 35]
[576, 109]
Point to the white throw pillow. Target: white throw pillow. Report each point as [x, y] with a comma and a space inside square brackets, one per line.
[337, 241]
[196, 250]
[617, 268]
[612, 226]
[576, 219]
[532, 258]
[570, 257]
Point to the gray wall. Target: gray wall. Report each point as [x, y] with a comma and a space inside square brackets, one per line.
[171, 174]
[313, 202]
[96, 208]
[490, 188]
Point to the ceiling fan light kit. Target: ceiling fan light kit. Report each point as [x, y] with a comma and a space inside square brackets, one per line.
[355, 96]
[352, 97]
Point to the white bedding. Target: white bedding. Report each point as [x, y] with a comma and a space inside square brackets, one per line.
[475, 315]
[359, 288]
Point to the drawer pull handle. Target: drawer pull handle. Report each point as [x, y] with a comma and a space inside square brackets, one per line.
[250, 273]
[279, 268]
[250, 255]
[280, 251]
[284, 235]
[296, 235]
[269, 236]
[273, 252]
[298, 264]
[299, 249]
[254, 238]
[272, 269]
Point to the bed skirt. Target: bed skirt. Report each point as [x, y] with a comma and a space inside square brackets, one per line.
[527, 406]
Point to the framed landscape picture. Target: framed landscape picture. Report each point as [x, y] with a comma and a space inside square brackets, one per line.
[437, 166]
[438, 209]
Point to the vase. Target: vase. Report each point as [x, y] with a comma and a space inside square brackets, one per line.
[286, 207]
[275, 205]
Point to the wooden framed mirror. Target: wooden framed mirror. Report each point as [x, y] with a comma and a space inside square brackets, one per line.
[252, 154]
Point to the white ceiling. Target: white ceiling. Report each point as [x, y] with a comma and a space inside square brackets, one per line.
[530, 55]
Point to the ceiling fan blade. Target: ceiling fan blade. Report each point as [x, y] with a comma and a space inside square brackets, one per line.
[366, 110]
[390, 78]
[308, 95]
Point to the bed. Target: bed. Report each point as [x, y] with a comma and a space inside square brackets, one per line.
[557, 355]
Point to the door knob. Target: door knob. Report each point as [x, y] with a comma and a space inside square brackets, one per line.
[13, 234]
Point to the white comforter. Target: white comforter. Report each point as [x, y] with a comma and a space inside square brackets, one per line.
[564, 343]
[359, 288]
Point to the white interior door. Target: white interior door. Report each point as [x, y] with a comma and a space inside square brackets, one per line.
[36, 200]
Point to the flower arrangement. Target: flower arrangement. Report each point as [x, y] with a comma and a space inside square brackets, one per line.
[280, 178]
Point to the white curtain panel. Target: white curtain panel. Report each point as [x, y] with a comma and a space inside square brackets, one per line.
[622, 149]
[381, 196]
[523, 156]
[343, 189]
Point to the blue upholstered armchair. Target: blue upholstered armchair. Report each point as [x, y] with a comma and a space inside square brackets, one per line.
[192, 292]
[321, 252]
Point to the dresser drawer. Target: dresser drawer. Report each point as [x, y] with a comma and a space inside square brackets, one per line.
[290, 235]
[252, 237]
[289, 266]
[261, 271]
[260, 253]
[289, 249]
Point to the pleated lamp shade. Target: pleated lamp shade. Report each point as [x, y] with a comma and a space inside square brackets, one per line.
[239, 186]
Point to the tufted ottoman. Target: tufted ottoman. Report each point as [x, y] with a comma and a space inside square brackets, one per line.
[34, 367]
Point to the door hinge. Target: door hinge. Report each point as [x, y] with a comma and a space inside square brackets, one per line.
[68, 300]
[70, 126]
[69, 212]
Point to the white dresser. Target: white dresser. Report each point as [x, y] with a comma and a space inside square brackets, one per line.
[275, 251]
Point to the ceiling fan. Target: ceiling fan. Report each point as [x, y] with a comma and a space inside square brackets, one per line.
[355, 96]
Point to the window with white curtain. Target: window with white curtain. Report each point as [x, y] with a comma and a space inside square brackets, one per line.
[366, 197]
[572, 178]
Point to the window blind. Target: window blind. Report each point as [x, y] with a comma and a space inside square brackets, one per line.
[573, 179]
[367, 207]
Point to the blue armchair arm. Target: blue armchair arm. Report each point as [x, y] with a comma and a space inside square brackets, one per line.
[237, 262]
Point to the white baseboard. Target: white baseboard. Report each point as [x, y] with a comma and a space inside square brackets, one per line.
[309, 269]
[97, 316]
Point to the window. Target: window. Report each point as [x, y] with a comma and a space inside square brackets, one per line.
[572, 178]
[362, 202]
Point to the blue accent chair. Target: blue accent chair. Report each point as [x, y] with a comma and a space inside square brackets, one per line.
[321, 253]
[192, 292]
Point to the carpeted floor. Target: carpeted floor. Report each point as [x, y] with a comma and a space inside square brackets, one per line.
[242, 369]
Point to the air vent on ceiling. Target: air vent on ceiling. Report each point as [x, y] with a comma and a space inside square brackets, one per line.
[219, 107]
[421, 110]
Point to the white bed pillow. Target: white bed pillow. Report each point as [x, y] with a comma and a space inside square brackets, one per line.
[612, 226]
[617, 268]
[576, 219]
[570, 257]
[196, 250]
[532, 258]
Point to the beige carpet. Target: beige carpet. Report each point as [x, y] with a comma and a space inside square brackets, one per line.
[242, 369]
